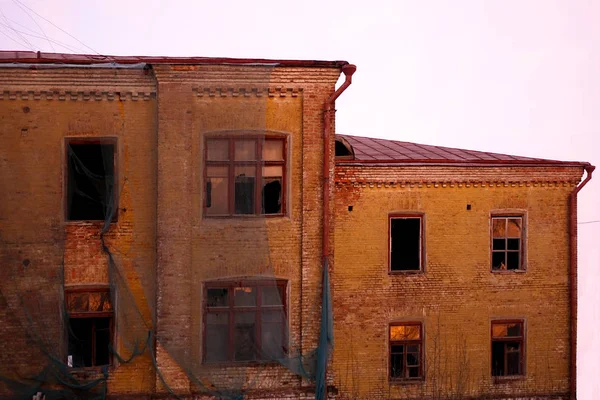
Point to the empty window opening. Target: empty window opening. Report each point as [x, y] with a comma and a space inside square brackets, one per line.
[89, 328]
[406, 347]
[406, 243]
[90, 181]
[507, 243]
[245, 321]
[507, 348]
[244, 176]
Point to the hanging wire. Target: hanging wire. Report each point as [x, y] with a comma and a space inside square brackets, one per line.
[38, 25]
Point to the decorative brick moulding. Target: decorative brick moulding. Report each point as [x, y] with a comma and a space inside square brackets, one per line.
[247, 92]
[76, 95]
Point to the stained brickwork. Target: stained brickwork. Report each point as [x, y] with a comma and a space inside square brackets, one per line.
[457, 296]
[165, 249]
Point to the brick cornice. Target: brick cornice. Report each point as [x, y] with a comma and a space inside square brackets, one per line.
[76, 84]
[436, 176]
[63, 95]
[224, 76]
[247, 91]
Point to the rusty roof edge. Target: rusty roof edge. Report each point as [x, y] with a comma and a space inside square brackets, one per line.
[471, 163]
[83, 59]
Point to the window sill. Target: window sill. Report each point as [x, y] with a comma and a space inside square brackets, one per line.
[240, 364]
[508, 271]
[245, 216]
[89, 222]
[407, 272]
[407, 381]
[90, 372]
[508, 379]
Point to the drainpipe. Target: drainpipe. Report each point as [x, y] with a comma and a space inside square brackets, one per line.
[348, 70]
[322, 350]
[573, 278]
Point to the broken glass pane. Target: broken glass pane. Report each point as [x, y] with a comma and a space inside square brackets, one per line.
[271, 195]
[498, 359]
[514, 228]
[397, 362]
[513, 244]
[499, 260]
[413, 372]
[78, 302]
[513, 330]
[499, 244]
[412, 359]
[513, 361]
[217, 297]
[498, 227]
[512, 260]
[244, 296]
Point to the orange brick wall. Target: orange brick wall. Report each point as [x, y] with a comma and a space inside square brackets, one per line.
[38, 110]
[457, 296]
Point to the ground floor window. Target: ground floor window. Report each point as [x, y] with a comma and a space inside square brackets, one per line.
[90, 327]
[507, 348]
[406, 350]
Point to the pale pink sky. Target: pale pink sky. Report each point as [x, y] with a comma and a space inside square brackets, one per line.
[516, 77]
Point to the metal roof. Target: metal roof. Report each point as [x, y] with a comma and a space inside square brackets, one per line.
[31, 57]
[372, 150]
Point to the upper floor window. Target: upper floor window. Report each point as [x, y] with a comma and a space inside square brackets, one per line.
[406, 350]
[507, 348]
[406, 242]
[244, 321]
[507, 243]
[245, 175]
[90, 179]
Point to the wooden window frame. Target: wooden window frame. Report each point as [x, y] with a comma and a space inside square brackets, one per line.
[231, 309]
[259, 163]
[522, 244]
[521, 339]
[91, 314]
[420, 342]
[91, 140]
[421, 217]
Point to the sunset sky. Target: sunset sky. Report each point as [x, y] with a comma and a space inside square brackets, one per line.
[516, 77]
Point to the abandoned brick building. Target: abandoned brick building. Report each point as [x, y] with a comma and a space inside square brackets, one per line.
[194, 228]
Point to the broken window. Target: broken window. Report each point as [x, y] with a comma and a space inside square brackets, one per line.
[244, 321]
[90, 327]
[406, 243]
[406, 351]
[507, 243]
[90, 179]
[245, 176]
[507, 348]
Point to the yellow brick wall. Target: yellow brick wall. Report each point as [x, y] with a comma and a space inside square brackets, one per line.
[457, 296]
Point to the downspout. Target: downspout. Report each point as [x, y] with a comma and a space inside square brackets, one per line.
[573, 278]
[325, 335]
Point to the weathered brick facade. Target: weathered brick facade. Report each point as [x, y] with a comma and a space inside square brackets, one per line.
[165, 249]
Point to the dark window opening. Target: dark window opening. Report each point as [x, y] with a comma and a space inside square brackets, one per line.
[244, 176]
[245, 321]
[507, 348]
[406, 346]
[89, 327]
[507, 243]
[90, 182]
[89, 340]
[405, 243]
[341, 149]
